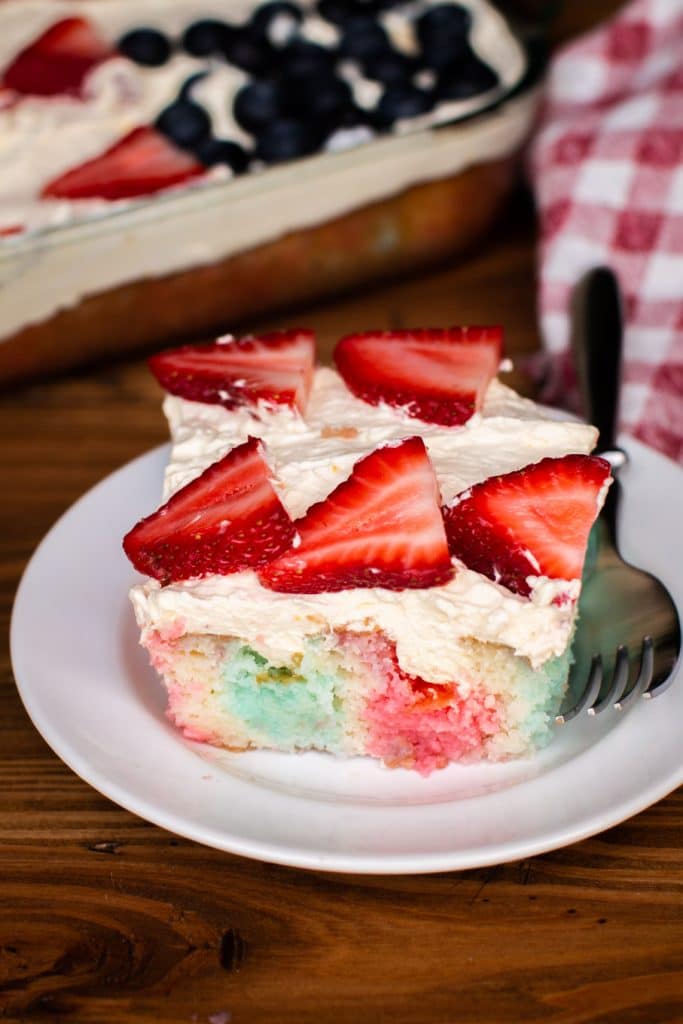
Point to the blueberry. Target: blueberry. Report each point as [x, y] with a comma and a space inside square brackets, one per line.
[222, 151]
[257, 104]
[248, 51]
[185, 122]
[402, 100]
[468, 78]
[337, 11]
[286, 139]
[363, 38]
[449, 18]
[145, 46]
[185, 92]
[302, 59]
[205, 37]
[322, 98]
[264, 19]
[442, 33]
[389, 67]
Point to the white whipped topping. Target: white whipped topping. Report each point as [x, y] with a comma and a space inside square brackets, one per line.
[309, 458]
[61, 259]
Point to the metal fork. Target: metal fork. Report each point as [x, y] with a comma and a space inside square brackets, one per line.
[628, 636]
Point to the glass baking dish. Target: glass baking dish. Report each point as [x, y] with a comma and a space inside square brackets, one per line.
[200, 260]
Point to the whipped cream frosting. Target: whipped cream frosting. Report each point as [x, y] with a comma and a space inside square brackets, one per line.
[309, 457]
[77, 249]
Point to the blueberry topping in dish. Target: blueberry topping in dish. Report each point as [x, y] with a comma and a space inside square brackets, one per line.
[213, 152]
[402, 100]
[302, 59]
[363, 38]
[443, 19]
[249, 51]
[185, 92]
[286, 139]
[185, 123]
[337, 11]
[442, 33]
[258, 103]
[265, 19]
[205, 37]
[145, 46]
[389, 67]
[323, 98]
[469, 78]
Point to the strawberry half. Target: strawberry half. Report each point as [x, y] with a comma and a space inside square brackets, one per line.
[381, 527]
[58, 61]
[275, 367]
[533, 522]
[227, 519]
[439, 376]
[139, 164]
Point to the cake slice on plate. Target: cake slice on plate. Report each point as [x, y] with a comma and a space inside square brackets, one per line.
[379, 560]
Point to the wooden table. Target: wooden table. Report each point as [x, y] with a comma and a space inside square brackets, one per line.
[106, 918]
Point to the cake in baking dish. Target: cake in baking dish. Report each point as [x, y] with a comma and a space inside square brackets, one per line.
[381, 559]
[172, 168]
[109, 103]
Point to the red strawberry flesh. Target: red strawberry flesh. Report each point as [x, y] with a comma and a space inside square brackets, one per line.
[226, 520]
[275, 368]
[532, 522]
[140, 164]
[58, 61]
[440, 376]
[381, 527]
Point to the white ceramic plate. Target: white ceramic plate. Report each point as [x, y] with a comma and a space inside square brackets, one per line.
[89, 690]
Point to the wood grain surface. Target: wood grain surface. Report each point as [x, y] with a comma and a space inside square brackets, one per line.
[105, 918]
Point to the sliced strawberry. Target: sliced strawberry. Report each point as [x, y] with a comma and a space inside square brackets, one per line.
[11, 229]
[58, 61]
[533, 522]
[440, 376]
[275, 367]
[227, 519]
[381, 527]
[142, 162]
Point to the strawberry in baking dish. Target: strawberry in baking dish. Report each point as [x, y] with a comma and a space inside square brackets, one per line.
[57, 62]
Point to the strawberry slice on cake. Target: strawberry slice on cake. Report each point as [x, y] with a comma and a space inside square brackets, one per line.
[57, 62]
[381, 527]
[143, 162]
[439, 376]
[227, 519]
[532, 522]
[275, 368]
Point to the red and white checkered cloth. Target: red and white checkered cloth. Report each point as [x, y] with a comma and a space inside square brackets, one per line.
[607, 169]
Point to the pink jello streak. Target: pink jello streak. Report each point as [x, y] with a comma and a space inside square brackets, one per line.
[416, 724]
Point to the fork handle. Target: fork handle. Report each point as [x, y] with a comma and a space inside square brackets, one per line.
[596, 341]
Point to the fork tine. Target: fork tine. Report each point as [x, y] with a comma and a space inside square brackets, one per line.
[618, 684]
[589, 694]
[644, 676]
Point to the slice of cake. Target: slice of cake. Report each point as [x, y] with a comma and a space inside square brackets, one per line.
[381, 560]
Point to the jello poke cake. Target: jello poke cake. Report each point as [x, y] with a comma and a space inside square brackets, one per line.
[382, 559]
[215, 158]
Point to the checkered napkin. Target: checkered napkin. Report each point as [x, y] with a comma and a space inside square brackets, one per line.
[607, 169]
